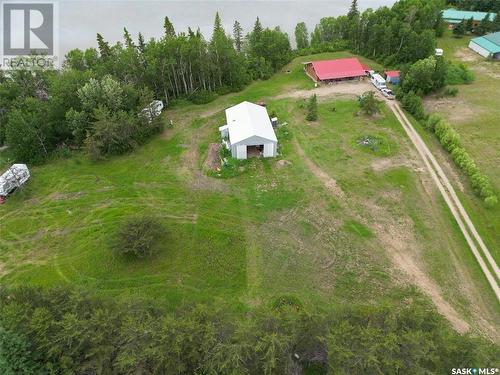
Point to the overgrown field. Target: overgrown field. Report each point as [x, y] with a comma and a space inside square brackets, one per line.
[330, 221]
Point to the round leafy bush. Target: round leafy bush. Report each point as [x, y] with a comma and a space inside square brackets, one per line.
[139, 237]
[491, 201]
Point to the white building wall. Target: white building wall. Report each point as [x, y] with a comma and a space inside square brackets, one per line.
[241, 152]
[269, 150]
[477, 48]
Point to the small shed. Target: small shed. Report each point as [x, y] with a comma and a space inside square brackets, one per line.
[392, 76]
[249, 131]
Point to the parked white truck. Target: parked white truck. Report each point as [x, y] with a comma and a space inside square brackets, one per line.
[378, 81]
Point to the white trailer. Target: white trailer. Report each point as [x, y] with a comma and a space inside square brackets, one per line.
[378, 81]
[15, 177]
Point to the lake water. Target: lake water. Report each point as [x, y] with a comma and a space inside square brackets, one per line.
[81, 20]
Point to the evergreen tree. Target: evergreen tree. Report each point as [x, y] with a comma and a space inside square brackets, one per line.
[104, 49]
[168, 28]
[353, 10]
[141, 44]
[369, 104]
[495, 24]
[128, 39]
[470, 25]
[459, 29]
[485, 26]
[301, 36]
[312, 108]
[238, 36]
[218, 24]
[257, 28]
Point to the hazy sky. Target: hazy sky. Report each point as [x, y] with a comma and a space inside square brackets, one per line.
[81, 20]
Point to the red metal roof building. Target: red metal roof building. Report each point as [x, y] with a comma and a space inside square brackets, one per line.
[336, 70]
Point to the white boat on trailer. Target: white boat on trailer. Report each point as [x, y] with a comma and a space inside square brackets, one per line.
[15, 177]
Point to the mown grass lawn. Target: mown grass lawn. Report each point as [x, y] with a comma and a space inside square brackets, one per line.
[274, 229]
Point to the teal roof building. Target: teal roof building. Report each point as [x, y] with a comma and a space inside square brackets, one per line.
[454, 16]
[487, 45]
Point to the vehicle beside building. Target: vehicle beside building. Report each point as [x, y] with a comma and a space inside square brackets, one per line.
[378, 81]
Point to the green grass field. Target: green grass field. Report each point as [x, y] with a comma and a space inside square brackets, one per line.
[474, 113]
[274, 229]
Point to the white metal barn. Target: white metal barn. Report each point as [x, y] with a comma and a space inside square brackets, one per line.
[249, 131]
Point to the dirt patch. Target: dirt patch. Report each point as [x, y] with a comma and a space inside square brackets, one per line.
[457, 110]
[384, 164]
[329, 182]
[283, 163]
[348, 89]
[487, 69]
[202, 182]
[212, 162]
[467, 55]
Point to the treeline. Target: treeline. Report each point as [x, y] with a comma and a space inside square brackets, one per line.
[95, 100]
[476, 5]
[66, 331]
[404, 33]
[184, 64]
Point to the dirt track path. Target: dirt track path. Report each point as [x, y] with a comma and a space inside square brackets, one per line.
[458, 211]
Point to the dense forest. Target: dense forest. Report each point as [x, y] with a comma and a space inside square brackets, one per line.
[67, 331]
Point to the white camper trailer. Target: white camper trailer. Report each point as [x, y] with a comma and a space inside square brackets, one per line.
[15, 177]
[378, 81]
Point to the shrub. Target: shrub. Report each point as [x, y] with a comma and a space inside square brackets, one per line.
[202, 97]
[112, 134]
[413, 104]
[491, 201]
[448, 137]
[450, 91]
[139, 237]
[431, 122]
[369, 104]
[458, 74]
